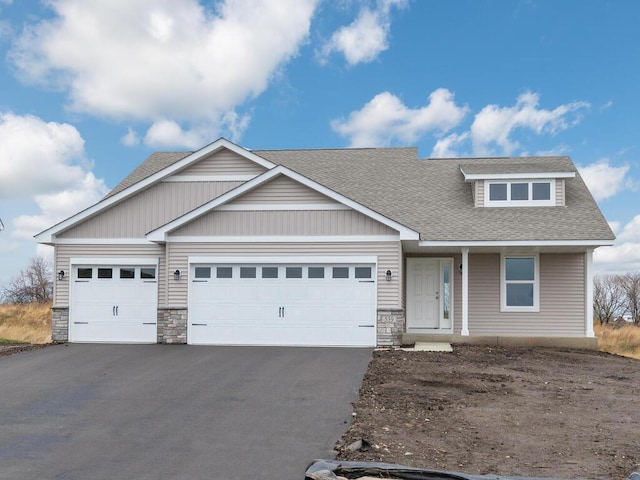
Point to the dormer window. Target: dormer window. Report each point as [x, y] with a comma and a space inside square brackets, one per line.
[519, 193]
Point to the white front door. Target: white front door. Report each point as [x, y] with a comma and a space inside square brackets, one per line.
[423, 294]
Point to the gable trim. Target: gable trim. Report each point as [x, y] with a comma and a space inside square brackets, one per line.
[48, 236]
[285, 239]
[281, 206]
[209, 178]
[160, 234]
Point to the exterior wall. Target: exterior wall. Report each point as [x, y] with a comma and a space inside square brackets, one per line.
[388, 253]
[172, 325]
[148, 210]
[60, 324]
[562, 299]
[560, 192]
[282, 189]
[63, 254]
[284, 222]
[223, 162]
[391, 326]
[479, 193]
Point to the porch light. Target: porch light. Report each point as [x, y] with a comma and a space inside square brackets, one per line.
[460, 268]
[388, 275]
[177, 275]
[61, 275]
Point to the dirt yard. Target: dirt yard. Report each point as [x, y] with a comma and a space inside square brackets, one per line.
[488, 410]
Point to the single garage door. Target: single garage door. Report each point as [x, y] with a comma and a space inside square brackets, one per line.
[282, 304]
[113, 303]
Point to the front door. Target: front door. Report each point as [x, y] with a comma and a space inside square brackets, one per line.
[423, 294]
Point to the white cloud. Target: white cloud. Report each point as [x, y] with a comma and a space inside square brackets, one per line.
[131, 138]
[614, 226]
[631, 231]
[494, 128]
[160, 60]
[604, 180]
[60, 205]
[38, 157]
[607, 105]
[385, 120]
[624, 256]
[366, 37]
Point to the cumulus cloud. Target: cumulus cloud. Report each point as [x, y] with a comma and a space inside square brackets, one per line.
[624, 256]
[494, 128]
[604, 180]
[366, 37]
[38, 157]
[385, 120]
[131, 138]
[159, 61]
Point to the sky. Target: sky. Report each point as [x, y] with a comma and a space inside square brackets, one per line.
[89, 89]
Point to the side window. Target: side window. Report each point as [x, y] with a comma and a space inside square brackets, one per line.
[520, 283]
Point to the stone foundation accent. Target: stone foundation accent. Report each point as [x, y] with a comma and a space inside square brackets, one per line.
[172, 325]
[60, 324]
[391, 325]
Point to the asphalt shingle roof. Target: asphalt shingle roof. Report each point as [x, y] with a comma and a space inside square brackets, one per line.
[430, 195]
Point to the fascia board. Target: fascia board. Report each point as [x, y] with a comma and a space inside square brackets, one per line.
[47, 236]
[516, 176]
[518, 243]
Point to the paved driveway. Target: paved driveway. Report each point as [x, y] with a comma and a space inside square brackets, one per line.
[81, 412]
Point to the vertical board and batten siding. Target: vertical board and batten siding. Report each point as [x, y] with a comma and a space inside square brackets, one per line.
[149, 209]
[224, 162]
[479, 193]
[562, 300]
[63, 254]
[389, 258]
[560, 192]
[284, 222]
[282, 189]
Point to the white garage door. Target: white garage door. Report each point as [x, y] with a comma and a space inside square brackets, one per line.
[113, 303]
[282, 304]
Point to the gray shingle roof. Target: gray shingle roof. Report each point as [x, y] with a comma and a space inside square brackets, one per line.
[430, 195]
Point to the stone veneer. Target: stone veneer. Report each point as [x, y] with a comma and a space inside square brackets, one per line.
[172, 325]
[60, 324]
[390, 327]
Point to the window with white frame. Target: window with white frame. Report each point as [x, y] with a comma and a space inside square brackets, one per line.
[520, 193]
[520, 283]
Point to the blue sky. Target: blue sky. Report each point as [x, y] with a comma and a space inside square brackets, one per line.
[89, 89]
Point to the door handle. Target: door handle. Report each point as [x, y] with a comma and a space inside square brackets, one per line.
[113, 311]
[279, 312]
[116, 310]
[283, 312]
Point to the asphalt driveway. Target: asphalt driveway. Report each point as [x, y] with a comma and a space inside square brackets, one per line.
[74, 412]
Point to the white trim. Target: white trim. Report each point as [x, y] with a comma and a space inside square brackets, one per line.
[285, 239]
[520, 203]
[284, 259]
[536, 283]
[210, 178]
[516, 243]
[241, 207]
[588, 304]
[103, 241]
[469, 177]
[114, 261]
[160, 234]
[46, 235]
[465, 293]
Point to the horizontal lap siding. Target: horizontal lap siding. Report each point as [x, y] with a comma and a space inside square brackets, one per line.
[388, 254]
[149, 209]
[562, 300]
[63, 254]
[282, 189]
[479, 197]
[224, 162]
[285, 222]
[560, 192]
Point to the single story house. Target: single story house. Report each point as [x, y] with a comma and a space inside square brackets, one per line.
[344, 247]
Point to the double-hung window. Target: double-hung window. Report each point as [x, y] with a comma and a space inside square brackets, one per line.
[520, 283]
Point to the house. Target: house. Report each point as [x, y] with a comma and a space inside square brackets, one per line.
[345, 247]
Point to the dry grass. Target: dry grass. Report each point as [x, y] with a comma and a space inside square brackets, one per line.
[27, 323]
[624, 340]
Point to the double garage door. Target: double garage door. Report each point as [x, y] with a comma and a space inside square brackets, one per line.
[260, 303]
[282, 304]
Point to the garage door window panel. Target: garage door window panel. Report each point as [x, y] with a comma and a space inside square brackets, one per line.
[148, 273]
[127, 273]
[247, 272]
[105, 273]
[363, 272]
[269, 272]
[85, 272]
[340, 272]
[224, 272]
[293, 272]
[316, 272]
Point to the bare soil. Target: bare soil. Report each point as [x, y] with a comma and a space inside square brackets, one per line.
[505, 411]
[7, 349]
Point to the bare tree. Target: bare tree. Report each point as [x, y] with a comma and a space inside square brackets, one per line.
[608, 297]
[33, 284]
[630, 284]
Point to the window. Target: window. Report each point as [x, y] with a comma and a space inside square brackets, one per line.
[363, 272]
[127, 273]
[147, 273]
[203, 272]
[293, 272]
[105, 273]
[224, 272]
[520, 283]
[85, 272]
[247, 272]
[269, 272]
[316, 272]
[340, 272]
[521, 193]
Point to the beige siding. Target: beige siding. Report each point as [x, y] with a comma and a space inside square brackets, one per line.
[561, 299]
[63, 254]
[560, 192]
[282, 189]
[149, 209]
[285, 222]
[388, 253]
[479, 193]
[224, 162]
